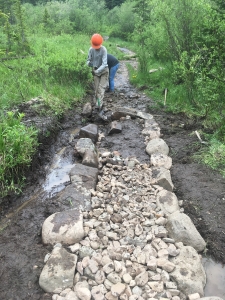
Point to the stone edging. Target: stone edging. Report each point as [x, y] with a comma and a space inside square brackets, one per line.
[126, 235]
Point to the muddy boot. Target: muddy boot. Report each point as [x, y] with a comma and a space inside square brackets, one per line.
[102, 116]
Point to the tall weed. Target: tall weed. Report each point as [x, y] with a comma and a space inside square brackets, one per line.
[17, 146]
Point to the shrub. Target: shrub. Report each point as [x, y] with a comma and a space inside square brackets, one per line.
[17, 146]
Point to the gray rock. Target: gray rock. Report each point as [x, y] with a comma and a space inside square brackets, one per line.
[144, 115]
[59, 270]
[90, 158]
[84, 176]
[64, 227]
[119, 112]
[182, 229]
[167, 201]
[87, 110]
[157, 145]
[152, 132]
[161, 160]
[84, 144]
[162, 177]
[115, 127]
[90, 131]
[189, 273]
[85, 251]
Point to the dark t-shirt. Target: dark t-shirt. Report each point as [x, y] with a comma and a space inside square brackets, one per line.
[112, 61]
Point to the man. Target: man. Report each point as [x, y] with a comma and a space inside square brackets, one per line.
[113, 65]
[97, 59]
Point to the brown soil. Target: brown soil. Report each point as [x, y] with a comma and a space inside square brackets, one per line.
[203, 190]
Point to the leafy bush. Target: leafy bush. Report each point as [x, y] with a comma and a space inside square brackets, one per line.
[17, 146]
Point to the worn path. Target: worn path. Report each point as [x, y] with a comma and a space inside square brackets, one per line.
[22, 250]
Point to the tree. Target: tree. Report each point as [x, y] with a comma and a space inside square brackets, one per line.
[20, 30]
[142, 10]
[5, 6]
[110, 4]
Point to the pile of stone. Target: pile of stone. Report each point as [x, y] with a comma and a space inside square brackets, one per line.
[133, 242]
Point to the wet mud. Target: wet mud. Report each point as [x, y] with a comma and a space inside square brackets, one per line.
[203, 190]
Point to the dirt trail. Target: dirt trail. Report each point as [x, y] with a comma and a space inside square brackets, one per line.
[203, 191]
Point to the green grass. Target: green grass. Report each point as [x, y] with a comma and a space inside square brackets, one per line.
[17, 146]
[213, 156]
[57, 68]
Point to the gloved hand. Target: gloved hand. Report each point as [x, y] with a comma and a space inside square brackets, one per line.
[93, 72]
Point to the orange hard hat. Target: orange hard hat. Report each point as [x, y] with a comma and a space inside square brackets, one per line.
[96, 41]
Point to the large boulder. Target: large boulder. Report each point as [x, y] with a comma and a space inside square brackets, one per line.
[63, 227]
[181, 229]
[84, 144]
[167, 201]
[59, 270]
[189, 273]
[161, 160]
[162, 177]
[90, 158]
[90, 131]
[157, 145]
[119, 112]
[73, 196]
[84, 176]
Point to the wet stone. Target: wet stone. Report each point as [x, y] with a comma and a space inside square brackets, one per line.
[90, 131]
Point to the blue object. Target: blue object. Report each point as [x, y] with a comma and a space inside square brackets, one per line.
[112, 73]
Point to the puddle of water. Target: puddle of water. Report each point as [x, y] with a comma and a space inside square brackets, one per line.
[215, 274]
[58, 174]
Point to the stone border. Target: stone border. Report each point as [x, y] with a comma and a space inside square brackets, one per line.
[128, 235]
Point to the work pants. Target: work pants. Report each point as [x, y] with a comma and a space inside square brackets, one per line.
[100, 84]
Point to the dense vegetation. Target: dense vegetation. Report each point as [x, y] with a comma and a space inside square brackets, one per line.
[43, 47]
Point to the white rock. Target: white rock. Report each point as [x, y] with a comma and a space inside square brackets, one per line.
[100, 277]
[114, 277]
[156, 286]
[142, 279]
[96, 293]
[127, 278]
[118, 289]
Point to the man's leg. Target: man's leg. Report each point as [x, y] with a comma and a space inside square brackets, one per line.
[96, 87]
[101, 87]
[112, 74]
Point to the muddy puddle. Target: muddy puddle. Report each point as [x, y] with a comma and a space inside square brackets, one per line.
[58, 174]
[215, 273]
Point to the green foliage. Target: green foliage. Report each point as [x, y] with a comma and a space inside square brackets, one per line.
[121, 21]
[213, 156]
[57, 69]
[112, 3]
[67, 17]
[141, 35]
[17, 146]
[15, 40]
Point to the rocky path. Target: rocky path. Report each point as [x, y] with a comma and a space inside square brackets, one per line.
[126, 235]
[117, 229]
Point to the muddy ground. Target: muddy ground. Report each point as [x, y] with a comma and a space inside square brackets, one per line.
[203, 190]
